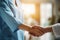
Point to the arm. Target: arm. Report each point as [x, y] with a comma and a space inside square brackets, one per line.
[22, 26]
[49, 29]
[55, 29]
[9, 19]
[14, 23]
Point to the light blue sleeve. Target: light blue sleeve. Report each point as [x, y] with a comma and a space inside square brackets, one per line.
[8, 17]
[20, 34]
[18, 15]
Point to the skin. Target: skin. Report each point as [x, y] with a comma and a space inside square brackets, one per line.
[49, 29]
[43, 30]
[35, 30]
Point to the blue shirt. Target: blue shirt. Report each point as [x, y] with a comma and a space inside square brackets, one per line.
[8, 23]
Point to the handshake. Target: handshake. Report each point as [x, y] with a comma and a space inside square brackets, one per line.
[39, 31]
[36, 30]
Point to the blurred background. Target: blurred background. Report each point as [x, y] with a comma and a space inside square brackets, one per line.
[40, 12]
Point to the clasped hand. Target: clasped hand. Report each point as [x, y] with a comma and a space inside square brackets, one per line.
[37, 31]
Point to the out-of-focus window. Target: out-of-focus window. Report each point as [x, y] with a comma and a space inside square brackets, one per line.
[46, 13]
[28, 8]
[46, 17]
[28, 11]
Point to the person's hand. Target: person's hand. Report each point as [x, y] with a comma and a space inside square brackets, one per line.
[37, 31]
[43, 30]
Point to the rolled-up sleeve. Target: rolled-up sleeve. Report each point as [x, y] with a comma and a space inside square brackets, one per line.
[8, 17]
[56, 30]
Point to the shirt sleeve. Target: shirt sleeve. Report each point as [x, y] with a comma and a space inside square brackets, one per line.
[8, 17]
[56, 30]
[18, 16]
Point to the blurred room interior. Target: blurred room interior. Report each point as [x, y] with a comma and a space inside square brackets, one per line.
[40, 12]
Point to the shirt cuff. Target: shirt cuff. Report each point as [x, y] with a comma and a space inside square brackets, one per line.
[19, 22]
[56, 30]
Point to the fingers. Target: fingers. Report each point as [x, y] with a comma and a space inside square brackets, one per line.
[37, 31]
[41, 30]
[34, 32]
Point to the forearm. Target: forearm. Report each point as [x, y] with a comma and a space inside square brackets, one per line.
[49, 29]
[24, 27]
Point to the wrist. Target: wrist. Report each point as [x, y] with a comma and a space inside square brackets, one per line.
[28, 28]
[24, 27]
[49, 29]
